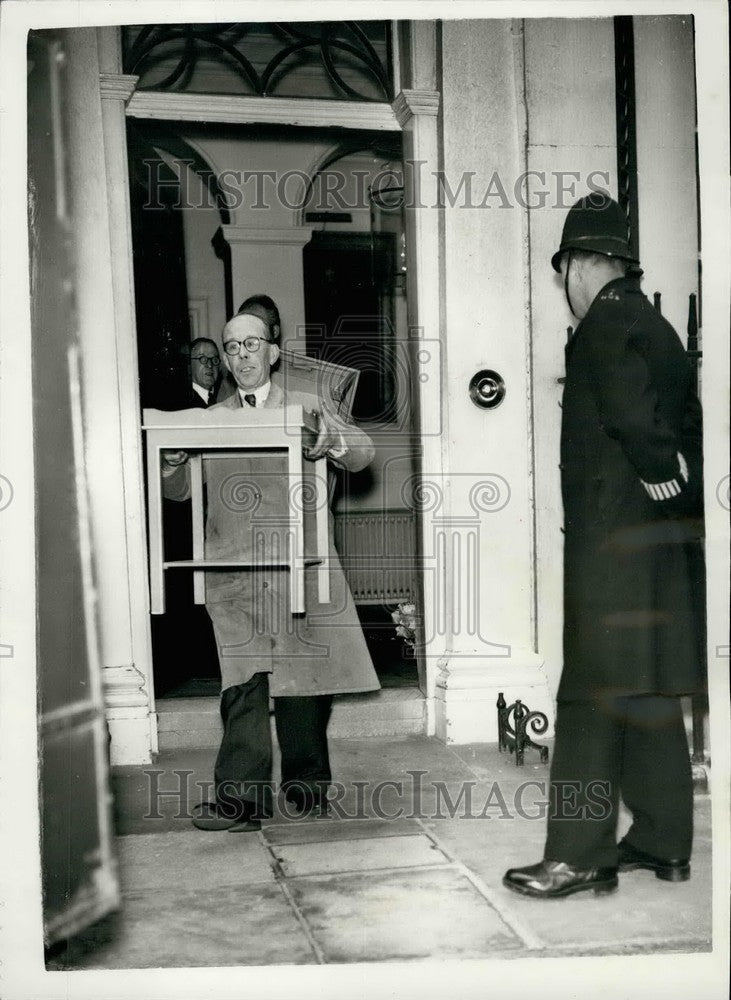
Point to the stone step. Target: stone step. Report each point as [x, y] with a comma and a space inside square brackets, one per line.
[195, 723]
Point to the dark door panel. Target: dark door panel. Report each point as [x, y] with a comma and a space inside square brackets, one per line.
[79, 874]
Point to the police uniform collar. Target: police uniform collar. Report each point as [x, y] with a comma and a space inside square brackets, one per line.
[613, 291]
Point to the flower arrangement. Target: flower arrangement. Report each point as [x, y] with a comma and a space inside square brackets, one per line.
[405, 620]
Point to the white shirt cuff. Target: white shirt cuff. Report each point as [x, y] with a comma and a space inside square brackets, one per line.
[671, 488]
[341, 451]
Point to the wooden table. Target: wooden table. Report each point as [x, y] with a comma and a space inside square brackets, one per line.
[210, 433]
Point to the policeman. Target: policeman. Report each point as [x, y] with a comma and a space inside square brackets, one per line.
[631, 468]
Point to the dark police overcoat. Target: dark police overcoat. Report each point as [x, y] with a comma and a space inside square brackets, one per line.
[631, 474]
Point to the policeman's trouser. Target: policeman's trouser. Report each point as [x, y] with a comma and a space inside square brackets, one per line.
[243, 771]
[635, 748]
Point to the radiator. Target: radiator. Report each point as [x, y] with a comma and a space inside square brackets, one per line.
[378, 553]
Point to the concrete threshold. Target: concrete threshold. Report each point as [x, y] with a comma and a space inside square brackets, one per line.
[191, 723]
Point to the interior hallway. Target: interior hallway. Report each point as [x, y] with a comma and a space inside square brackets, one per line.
[371, 889]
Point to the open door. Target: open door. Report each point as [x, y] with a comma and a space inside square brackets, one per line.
[79, 874]
[351, 304]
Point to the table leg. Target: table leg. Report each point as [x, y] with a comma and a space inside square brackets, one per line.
[323, 534]
[296, 535]
[154, 492]
[196, 499]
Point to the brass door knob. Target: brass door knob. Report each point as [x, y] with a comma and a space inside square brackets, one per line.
[487, 389]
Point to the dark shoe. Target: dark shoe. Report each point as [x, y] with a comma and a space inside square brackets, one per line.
[212, 816]
[673, 870]
[553, 879]
[307, 802]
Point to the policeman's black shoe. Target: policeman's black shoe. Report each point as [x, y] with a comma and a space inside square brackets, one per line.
[672, 870]
[213, 816]
[554, 879]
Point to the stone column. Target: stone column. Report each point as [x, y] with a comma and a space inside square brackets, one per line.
[268, 261]
[417, 112]
[110, 355]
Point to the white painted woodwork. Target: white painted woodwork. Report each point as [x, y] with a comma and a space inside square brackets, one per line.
[269, 261]
[242, 110]
[423, 277]
[668, 212]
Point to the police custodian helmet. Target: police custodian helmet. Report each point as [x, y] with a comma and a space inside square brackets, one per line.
[596, 224]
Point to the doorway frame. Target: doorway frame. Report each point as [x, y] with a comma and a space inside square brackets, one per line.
[413, 113]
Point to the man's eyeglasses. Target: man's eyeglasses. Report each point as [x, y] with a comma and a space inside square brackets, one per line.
[206, 360]
[252, 344]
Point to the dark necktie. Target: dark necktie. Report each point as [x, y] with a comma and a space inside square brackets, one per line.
[250, 398]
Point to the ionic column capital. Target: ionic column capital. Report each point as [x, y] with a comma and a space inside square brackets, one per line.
[117, 86]
[410, 103]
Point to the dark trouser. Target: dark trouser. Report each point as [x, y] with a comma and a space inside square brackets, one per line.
[243, 769]
[636, 748]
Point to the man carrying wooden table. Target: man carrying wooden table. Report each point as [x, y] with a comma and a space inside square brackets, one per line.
[301, 660]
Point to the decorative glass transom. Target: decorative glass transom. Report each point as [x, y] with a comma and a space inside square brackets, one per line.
[343, 60]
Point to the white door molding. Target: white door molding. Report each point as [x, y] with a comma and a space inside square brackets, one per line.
[237, 109]
[417, 115]
[130, 693]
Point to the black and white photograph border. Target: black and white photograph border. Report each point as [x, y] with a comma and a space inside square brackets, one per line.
[459, 783]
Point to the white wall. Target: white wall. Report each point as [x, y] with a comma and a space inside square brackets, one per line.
[485, 319]
[665, 87]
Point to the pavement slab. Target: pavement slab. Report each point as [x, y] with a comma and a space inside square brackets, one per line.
[174, 928]
[357, 855]
[194, 859]
[400, 915]
[315, 831]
